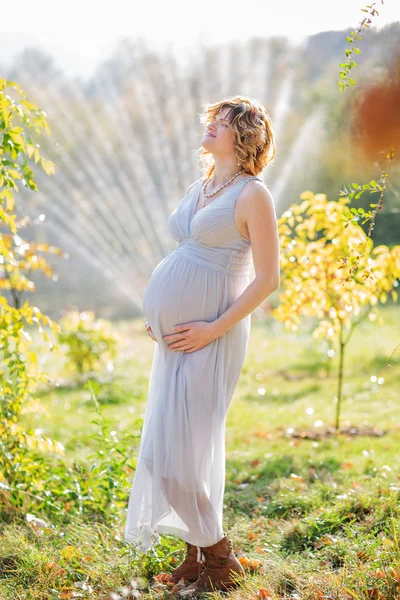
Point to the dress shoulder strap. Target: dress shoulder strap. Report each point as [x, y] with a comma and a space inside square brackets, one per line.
[249, 178]
[193, 185]
[257, 177]
[254, 177]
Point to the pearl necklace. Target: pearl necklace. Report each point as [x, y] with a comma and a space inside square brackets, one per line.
[218, 189]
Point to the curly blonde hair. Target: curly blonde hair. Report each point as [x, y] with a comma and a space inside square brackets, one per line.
[254, 142]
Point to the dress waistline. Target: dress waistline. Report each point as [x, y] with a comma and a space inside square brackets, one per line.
[224, 260]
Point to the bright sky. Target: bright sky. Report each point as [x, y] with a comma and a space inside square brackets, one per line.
[80, 32]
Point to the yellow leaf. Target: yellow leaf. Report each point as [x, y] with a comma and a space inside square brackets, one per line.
[350, 592]
[10, 202]
[17, 138]
[69, 552]
[14, 173]
[48, 166]
[387, 542]
[30, 148]
[32, 357]
[23, 346]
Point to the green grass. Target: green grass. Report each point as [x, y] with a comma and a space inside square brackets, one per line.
[320, 516]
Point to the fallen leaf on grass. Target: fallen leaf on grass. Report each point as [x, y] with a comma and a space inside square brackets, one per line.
[164, 578]
[252, 564]
[263, 434]
[325, 541]
[263, 593]
[58, 571]
[347, 465]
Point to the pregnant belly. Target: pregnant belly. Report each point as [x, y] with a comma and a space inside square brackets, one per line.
[179, 291]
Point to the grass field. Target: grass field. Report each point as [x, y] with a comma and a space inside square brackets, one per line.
[311, 516]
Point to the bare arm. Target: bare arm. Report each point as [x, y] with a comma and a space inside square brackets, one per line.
[258, 212]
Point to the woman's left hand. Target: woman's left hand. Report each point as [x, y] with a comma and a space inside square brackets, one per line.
[189, 337]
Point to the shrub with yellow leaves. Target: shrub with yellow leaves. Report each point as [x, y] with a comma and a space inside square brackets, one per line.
[19, 366]
[316, 246]
[90, 342]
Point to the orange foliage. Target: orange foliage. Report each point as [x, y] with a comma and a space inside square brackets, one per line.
[252, 564]
[262, 593]
[347, 465]
[375, 115]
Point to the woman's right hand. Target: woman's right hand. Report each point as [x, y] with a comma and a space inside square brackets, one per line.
[149, 331]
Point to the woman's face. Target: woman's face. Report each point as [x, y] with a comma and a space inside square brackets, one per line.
[219, 135]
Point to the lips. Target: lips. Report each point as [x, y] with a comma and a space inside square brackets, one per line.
[209, 135]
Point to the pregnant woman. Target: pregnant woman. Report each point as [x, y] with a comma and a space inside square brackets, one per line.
[198, 306]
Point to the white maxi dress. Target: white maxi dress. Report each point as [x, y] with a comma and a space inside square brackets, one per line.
[179, 481]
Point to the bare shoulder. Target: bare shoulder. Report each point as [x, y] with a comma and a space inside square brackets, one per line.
[255, 196]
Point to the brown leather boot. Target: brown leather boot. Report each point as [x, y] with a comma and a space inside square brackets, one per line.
[221, 571]
[191, 567]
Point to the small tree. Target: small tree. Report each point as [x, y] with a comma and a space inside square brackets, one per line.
[315, 278]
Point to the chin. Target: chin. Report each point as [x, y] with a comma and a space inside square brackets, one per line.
[205, 140]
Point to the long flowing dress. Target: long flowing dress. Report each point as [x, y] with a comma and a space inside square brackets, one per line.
[179, 481]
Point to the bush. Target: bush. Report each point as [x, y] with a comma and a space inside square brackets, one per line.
[92, 343]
